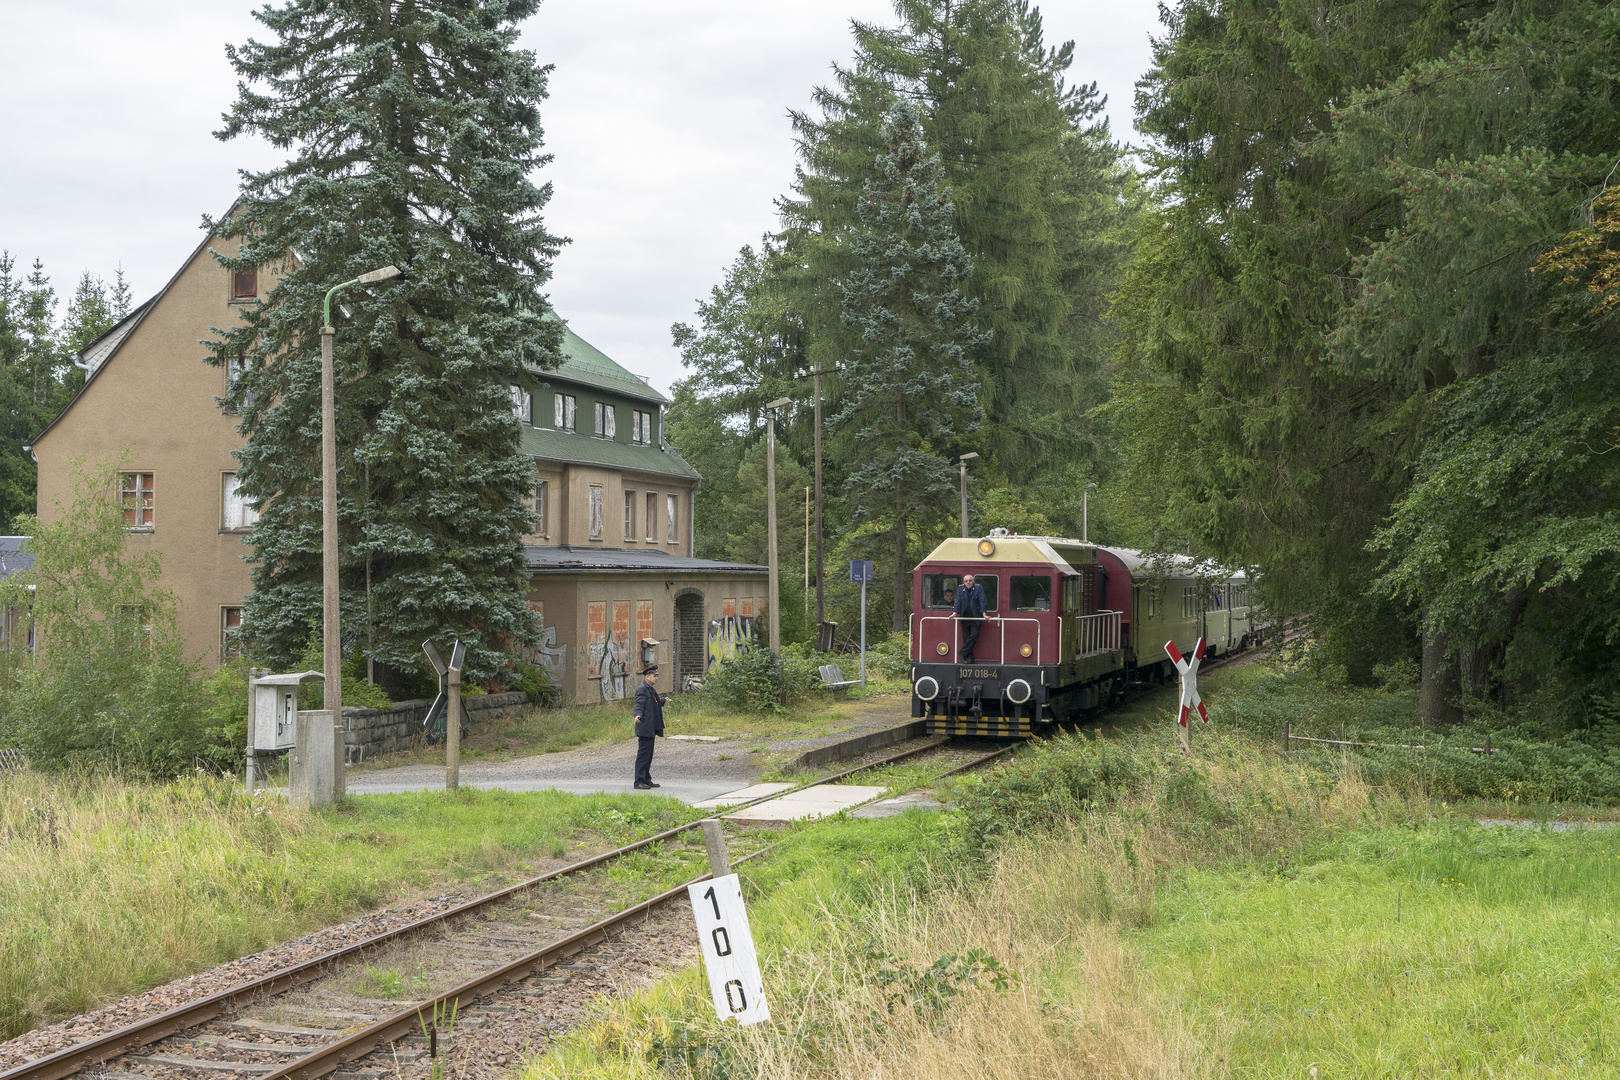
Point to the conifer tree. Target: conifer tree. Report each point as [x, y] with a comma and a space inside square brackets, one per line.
[89, 313]
[413, 127]
[911, 393]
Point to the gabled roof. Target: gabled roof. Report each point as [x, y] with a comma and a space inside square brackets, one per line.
[549, 444]
[586, 365]
[93, 355]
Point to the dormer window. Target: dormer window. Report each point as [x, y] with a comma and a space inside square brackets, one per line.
[642, 430]
[522, 405]
[564, 412]
[245, 285]
[606, 420]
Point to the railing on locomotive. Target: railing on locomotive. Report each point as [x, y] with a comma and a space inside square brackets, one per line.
[1099, 633]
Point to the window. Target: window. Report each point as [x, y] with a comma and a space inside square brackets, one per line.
[565, 412]
[669, 501]
[1031, 592]
[134, 626]
[135, 495]
[606, 420]
[642, 430]
[939, 590]
[522, 405]
[630, 515]
[596, 511]
[540, 492]
[1189, 601]
[245, 285]
[230, 632]
[238, 510]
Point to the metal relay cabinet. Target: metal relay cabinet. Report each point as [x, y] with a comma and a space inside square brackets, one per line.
[273, 715]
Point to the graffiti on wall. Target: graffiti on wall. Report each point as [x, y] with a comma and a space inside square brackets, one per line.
[728, 636]
[616, 653]
[545, 652]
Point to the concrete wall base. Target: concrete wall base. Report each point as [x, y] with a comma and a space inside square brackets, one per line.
[369, 732]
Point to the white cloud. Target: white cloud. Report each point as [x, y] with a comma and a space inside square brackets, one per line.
[668, 122]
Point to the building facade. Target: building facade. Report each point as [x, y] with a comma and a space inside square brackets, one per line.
[610, 555]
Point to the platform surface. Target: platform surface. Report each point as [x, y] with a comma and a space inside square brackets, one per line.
[809, 803]
[741, 795]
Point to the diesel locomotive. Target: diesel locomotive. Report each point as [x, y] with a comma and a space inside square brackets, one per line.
[1067, 627]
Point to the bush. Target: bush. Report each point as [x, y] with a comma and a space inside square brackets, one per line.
[751, 682]
[109, 684]
[891, 657]
[535, 681]
[357, 692]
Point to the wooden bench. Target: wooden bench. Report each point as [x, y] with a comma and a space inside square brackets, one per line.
[833, 679]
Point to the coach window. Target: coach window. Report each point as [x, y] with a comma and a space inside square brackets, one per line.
[1031, 592]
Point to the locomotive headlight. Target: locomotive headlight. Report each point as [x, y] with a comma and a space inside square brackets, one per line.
[987, 547]
[942, 648]
[1025, 650]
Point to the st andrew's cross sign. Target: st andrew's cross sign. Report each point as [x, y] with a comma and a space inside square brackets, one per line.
[1188, 666]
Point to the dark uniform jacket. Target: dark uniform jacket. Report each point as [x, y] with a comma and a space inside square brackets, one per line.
[970, 602]
[651, 711]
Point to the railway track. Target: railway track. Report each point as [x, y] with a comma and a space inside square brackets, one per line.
[315, 1019]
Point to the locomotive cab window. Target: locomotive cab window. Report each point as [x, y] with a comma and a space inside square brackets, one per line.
[1032, 592]
[939, 590]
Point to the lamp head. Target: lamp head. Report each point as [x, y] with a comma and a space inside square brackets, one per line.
[779, 402]
[969, 456]
[384, 274]
[1088, 486]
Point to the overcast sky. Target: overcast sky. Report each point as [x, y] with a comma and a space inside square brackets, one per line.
[667, 119]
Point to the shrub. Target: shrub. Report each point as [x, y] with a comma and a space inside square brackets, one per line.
[109, 683]
[357, 692]
[891, 657]
[1057, 780]
[535, 681]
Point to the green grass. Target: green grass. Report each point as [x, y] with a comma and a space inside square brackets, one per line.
[1447, 950]
[108, 887]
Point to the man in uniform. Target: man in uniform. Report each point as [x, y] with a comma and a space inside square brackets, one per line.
[649, 714]
[970, 611]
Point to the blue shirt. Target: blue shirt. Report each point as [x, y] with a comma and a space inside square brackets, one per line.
[970, 602]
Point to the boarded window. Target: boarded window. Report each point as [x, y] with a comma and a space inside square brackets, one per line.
[135, 496]
[238, 511]
[728, 608]
[745, 607]
[644, 619]
[522, 405]
[230, 632]
[629, 515]
[669, 501]
[563, 407]
[606, 420]
[245, 285]
[596, 642]
[596, 511]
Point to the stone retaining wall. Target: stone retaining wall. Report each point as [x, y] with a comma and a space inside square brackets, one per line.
[369, 732]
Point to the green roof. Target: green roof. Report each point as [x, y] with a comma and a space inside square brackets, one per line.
[554, 445]
[586, 364]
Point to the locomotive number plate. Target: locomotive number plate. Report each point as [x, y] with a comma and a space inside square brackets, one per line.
[978, 673]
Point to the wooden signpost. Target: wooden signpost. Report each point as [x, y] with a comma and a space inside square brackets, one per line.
[1188, 666]
[728, 944]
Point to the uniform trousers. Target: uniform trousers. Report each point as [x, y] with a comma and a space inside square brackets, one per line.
[644, 754]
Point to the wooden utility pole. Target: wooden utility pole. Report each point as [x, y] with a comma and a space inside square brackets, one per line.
[774, 587]
[452, 735]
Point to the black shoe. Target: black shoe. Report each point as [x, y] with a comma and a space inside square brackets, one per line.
[644, 787]
[655, 785]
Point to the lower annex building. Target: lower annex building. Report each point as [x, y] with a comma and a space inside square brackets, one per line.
[610, 560]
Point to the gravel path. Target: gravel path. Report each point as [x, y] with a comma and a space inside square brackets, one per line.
[688, 770]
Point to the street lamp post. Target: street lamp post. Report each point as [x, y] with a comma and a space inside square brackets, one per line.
[332, 645]
[964, 460]
[1085, 513]
[770, 524]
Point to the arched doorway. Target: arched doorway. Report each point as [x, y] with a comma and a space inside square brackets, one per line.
[691, 637]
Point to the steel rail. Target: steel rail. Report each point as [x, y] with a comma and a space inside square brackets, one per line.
[93, 1052]
[330, 1057]
[73, 1059]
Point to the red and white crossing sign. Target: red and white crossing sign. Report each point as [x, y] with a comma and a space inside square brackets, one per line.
[1189, 680]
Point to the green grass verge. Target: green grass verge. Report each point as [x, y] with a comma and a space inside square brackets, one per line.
[107, 887]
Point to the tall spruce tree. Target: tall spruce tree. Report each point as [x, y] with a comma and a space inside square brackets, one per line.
[911, 394]
[1038, 191]
[413, 126]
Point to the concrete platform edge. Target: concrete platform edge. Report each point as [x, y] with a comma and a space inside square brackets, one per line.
[872, 740]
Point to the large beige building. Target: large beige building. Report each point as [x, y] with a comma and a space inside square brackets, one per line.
[611, 559]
